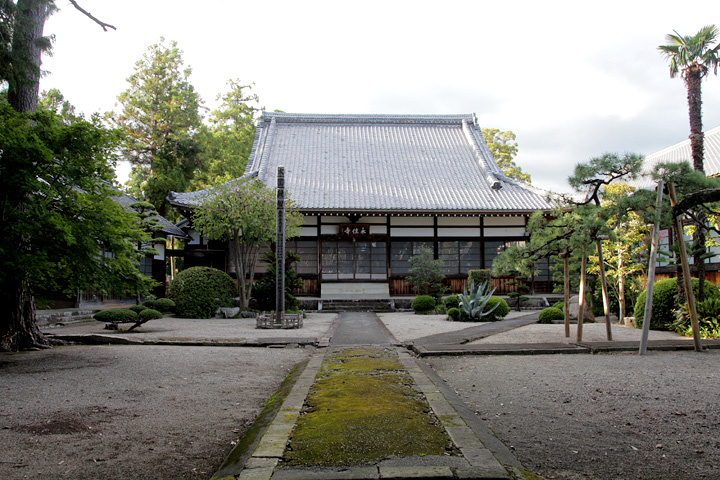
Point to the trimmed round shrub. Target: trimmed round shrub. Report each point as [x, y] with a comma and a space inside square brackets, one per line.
[665, 302]
[199, 291]
[163, 305]
[499, 313]
[560, 305]
[549, 314]
[453, 314]
[138, 308]
[116, 315]
[149, 314]
[423, 304]
[452, 301]
[149, 304]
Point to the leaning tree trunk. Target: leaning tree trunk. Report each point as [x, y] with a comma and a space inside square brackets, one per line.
[24, 87]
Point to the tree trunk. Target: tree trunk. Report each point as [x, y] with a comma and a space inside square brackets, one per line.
[18, 330]
[23, 89]
[693, 79]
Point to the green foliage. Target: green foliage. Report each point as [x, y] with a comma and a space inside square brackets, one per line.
[264, 291]
[547, 315]
[138, 308]
[665, 302]
[473, 303]
[708, 319]
[149, 314]
[426, 273]
[558, 305]
[116, 315]
[149, 304]
[480, 276]
[61, 228]
[228, 140]
[452, 301]
[453, 314]
[199, 291]
[497, 309]
[686, 52]
[503, 147]
[423, 304]
[160, 114]
[163, 305]
[243, 213]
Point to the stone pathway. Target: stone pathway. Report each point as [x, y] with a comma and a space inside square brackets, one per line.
[483, 456]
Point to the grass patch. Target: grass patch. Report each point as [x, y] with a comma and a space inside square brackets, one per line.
[363, 408]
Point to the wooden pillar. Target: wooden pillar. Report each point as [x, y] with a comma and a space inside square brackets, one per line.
[651, 271]
[566, 289]
[689, 294]
[606, 297]
[581, 299]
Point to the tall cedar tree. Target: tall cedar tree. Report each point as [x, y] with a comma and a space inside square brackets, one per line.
[159, 120]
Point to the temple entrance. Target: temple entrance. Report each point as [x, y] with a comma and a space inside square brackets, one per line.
[350, 260]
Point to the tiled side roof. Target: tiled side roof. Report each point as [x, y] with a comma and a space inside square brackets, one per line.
[383, 163]
[168, 227]
[682, 152]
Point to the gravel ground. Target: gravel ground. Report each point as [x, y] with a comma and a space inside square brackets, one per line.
[131, 412]
[610, 416]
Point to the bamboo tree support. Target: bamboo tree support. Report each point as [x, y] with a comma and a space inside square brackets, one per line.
[566, 280]
[677, 221]
[606, 297]
[581, 300]
[651, 271]
[280, 249]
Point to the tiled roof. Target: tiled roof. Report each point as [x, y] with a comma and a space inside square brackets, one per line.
[383, 163]
[168, 227]
[682, 152]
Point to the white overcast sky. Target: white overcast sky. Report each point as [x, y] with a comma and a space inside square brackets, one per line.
[572, 79]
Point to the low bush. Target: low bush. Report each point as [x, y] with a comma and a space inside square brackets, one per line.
[149, 314]
[480, 276]
[138, 308]
[423, 304]
[558, 305]
[453, 314]
[199, 291]
[451, 301]
[149, 304]
[549, 314]
[708, 319]
[440, 308]
[664, 302]
[163, 305]
[499, 313]
[116, 315]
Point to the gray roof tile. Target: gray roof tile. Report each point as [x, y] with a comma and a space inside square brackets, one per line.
[383, 163]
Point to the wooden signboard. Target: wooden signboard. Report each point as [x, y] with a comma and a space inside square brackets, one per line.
[354, 230]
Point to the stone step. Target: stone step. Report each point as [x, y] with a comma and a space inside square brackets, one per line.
[386, 305]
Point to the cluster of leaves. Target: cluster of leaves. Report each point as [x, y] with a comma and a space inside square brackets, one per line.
[474, 302]
[61, 228]
[243, 213]
[423, 304]
[547, 315]
[665, 302]
[426, 274]
[708, 319]
[199, 291]
[264, 291]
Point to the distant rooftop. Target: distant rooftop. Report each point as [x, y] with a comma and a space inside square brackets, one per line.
[682, 152]
[383, 164]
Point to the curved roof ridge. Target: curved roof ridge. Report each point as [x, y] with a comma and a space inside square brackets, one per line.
[284, 117]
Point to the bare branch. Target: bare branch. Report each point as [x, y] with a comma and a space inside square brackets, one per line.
[104, 25]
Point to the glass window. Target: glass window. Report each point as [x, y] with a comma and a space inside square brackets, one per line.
[459, 256]
[494, 248]
[401, 253]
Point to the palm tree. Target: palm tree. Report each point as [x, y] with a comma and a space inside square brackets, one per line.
[694, 56]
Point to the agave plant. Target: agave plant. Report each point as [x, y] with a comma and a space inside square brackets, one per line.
[473, 302]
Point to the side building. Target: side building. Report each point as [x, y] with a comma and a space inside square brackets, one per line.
[374, 190]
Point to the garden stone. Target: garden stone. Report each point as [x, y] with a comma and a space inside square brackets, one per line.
[227, 312]
[574, 307]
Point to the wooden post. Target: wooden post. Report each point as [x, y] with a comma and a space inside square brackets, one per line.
[581, 300]
[606, 297]
[280, 249]
[566, 281]
[651, 271]
[677, 221]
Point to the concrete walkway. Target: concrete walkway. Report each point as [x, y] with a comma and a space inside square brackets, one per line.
[483, 456]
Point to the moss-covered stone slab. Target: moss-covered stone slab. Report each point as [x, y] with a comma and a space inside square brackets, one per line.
[363, 408]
